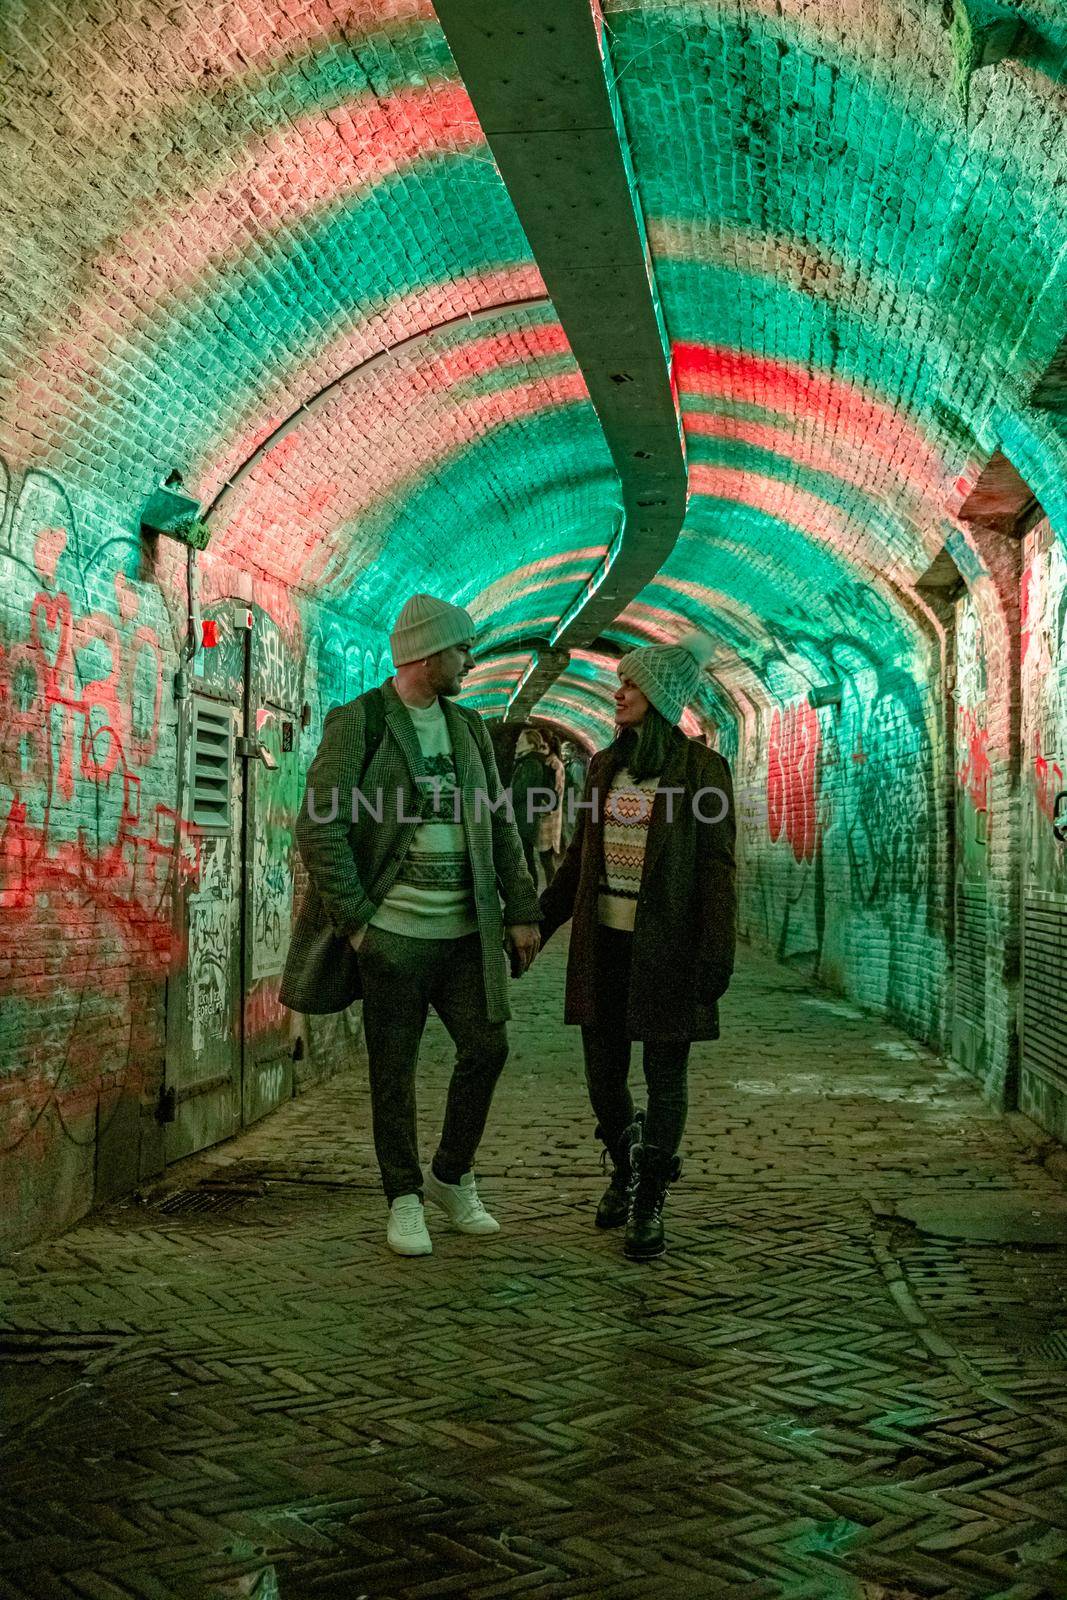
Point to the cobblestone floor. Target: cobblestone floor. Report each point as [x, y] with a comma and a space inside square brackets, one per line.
[811, 1396]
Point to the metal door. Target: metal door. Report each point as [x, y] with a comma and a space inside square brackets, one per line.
[201, 1101]
[972, 801]
[273, 789]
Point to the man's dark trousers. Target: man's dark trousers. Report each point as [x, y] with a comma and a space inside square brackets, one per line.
[402, 977]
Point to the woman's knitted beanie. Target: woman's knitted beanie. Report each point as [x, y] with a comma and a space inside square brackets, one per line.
[668, 675]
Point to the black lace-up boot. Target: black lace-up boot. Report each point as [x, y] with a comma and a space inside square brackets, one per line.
[653, 1172]
[615, 1201]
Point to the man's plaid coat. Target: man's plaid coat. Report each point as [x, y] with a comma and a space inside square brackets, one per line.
[351, 865]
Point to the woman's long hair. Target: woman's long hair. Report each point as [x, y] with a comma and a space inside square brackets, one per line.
[643, 750]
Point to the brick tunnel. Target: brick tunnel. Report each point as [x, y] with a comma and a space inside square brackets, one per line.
[604, 321]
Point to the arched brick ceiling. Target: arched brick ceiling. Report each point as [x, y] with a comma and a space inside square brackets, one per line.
[862, 284]
[216, 212]
[256, 205]
[423, 476]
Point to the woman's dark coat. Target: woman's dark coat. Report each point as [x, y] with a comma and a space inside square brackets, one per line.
[684, 929]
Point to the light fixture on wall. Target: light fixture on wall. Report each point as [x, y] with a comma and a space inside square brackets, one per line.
[825, 694]
[170, 511]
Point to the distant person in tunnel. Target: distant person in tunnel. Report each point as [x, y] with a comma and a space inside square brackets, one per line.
[504, 736]
[550, 823]
[573, 787]
[529, 785]
[648, 879]
[407, 868]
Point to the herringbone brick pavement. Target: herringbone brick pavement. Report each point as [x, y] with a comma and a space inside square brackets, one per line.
[809, 1397]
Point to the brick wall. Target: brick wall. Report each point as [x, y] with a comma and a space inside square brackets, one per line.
[893, 846]
[1043, 857]
[844, 844]
[93, 843]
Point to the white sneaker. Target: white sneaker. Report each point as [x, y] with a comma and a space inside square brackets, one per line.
[460, 1201]
[407, 1233]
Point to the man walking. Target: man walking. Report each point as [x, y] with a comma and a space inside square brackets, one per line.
[408, 865]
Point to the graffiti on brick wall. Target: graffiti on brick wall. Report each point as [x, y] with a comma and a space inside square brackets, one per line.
[858, 608]
[81, 692]
[886, 796]
[780, 802]
[91, 848]
[971, 676]
[271, 904]
[340, 665]
[839, 818]
[972, 766]
[793, 777]
[277, 664]
[1044, 689]
[973, 770]
[276, 799]
[278, 669]
[210, 950]
[271, 1083]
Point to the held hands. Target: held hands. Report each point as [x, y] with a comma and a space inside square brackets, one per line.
[357, 938]
[523, 942]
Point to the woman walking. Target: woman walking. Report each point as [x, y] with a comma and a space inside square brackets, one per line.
[649, 881]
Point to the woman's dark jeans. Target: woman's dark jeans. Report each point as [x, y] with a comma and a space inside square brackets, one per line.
[607, 1057]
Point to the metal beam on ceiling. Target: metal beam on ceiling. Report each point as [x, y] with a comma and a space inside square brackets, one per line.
[540, 81]
[389, 353]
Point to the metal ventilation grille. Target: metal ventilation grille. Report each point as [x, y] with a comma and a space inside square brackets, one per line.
[1045, 991]
[970, 953]
[212, 765]
[203, 1200]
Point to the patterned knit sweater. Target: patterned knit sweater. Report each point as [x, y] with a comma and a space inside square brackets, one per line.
[627, 811]
[433, 894]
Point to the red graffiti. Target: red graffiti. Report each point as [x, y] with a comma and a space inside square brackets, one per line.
[974, 771]
[48, 709]
[51, 542]
[127, 880]
[264, 1013]
[80, 705]
[1048, 780]
[793, 778]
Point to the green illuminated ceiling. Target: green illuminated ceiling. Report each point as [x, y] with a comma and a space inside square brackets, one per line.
[860, 272]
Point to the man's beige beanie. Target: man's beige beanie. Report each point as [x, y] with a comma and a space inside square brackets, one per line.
[427, 625]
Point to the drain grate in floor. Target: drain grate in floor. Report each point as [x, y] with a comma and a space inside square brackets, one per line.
[184, 1201]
